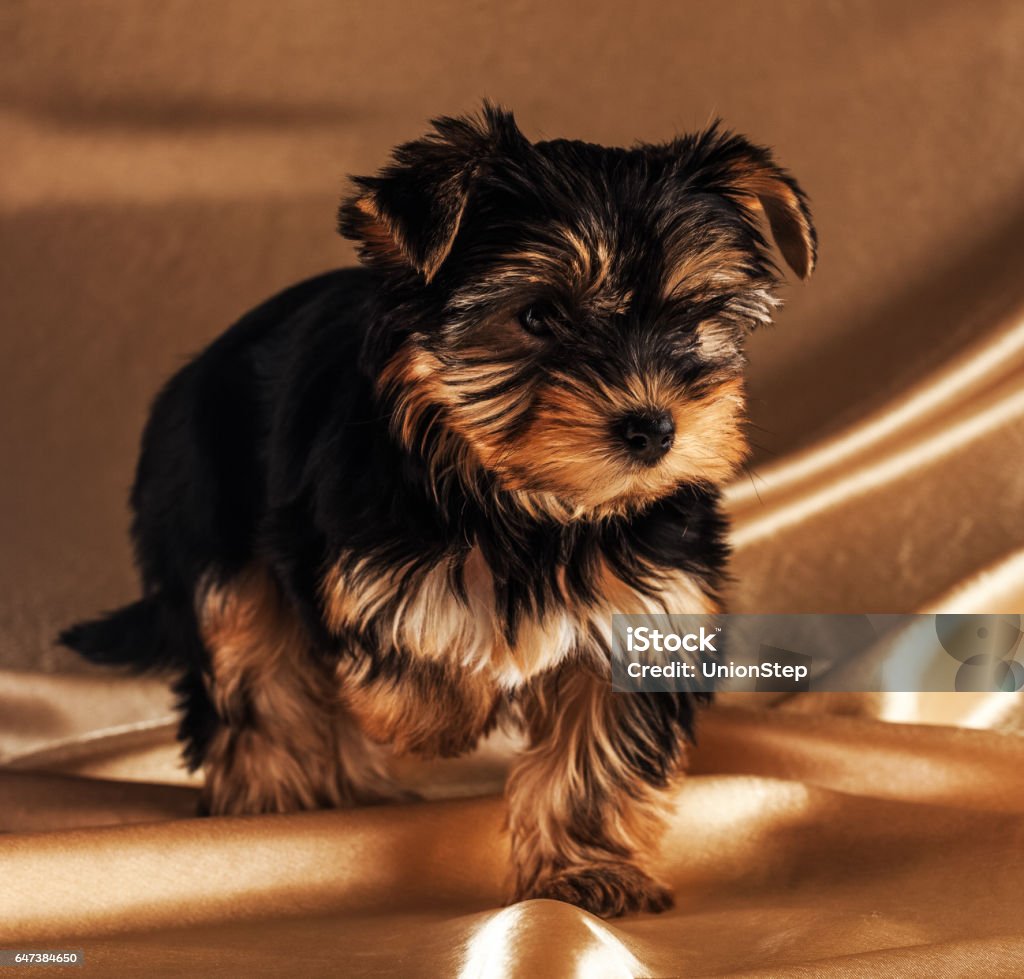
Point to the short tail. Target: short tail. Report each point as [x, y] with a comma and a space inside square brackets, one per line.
[147, 636]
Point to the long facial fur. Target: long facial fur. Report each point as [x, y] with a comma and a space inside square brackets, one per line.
[654, 262]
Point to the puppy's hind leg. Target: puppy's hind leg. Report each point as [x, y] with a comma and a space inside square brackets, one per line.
[282, 742]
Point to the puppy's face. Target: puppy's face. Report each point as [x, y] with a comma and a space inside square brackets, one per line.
[569, 318]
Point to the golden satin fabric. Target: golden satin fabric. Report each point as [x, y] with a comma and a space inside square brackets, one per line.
[166, 170]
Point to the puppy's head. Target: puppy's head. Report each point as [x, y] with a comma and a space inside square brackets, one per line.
[568, 319]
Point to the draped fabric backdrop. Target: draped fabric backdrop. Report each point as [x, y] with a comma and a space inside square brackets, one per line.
[166, 166]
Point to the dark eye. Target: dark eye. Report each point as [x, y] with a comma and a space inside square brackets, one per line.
[537, 320]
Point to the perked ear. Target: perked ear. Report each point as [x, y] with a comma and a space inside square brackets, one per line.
[724, 162]
[409, 213]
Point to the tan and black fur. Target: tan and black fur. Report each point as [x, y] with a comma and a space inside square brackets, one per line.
[396, 506]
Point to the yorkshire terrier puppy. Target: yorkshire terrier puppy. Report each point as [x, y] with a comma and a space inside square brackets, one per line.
[397, 504]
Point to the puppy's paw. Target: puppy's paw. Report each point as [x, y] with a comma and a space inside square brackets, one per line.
[607, 889]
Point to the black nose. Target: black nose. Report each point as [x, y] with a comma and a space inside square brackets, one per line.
[647, 435]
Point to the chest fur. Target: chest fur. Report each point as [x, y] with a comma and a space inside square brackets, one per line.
[461, 614]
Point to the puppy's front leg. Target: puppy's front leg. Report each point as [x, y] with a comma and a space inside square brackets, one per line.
[587, 799]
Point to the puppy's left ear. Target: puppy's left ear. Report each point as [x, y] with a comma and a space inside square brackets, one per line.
[409, 213]
[733, 166]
